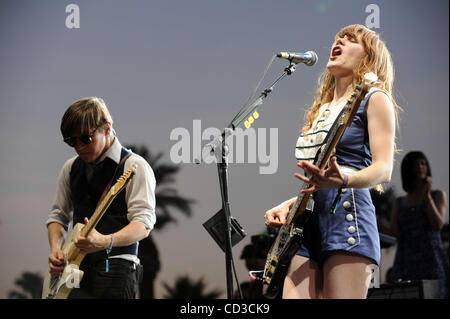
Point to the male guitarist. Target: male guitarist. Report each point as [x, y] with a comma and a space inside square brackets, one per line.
[341, 239]
[111, 262]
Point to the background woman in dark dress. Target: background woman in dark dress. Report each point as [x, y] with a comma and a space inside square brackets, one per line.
[417, 220]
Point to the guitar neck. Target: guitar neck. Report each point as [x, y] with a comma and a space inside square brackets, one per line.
[300, 204]
[344, 119]
[107, 200]
[73, 252]
[324, 155]
[103, 206]
[98, 214]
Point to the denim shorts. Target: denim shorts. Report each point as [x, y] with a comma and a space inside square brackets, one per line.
[352, 227]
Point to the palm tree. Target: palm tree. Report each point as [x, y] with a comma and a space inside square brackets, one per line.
[167, 199]
[30, 284]
[185, 288]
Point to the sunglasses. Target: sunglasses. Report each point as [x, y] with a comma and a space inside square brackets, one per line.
[85, 139]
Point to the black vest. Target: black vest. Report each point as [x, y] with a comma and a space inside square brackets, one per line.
[85, 197]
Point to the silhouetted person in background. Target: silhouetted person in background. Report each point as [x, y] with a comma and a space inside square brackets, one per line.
[255, 255]
[417, 220]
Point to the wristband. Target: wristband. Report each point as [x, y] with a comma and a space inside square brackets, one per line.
[338, 196]
[345, 181]
[110, 245]
[108, 250]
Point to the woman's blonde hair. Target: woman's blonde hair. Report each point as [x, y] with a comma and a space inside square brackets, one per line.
[377, 60]
[85, 115]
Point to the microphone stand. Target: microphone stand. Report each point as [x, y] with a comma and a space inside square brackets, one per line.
[222, 166]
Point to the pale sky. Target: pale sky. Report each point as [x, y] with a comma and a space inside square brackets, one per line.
[160, 65]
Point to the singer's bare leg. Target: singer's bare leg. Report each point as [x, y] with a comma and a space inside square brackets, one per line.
[303, 280]
[346, 276]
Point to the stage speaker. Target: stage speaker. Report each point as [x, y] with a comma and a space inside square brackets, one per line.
[420, 289]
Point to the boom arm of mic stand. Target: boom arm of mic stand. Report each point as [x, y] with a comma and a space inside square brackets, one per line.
[259, 101]
[215, 144]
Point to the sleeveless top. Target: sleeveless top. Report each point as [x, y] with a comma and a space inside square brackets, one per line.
[86, 193]
[352, 150]
[347, 228]
[420, 253]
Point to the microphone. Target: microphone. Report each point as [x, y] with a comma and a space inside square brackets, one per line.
[309, 58]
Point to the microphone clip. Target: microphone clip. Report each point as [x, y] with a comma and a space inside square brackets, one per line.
[266, 92]
[291, 68]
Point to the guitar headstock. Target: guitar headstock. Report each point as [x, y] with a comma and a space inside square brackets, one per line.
[358, 96]
[103, 205]
[123, 180]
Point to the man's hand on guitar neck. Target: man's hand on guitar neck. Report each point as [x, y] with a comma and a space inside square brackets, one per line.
[93, 242]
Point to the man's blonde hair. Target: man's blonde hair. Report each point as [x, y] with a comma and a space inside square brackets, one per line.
[84, 116]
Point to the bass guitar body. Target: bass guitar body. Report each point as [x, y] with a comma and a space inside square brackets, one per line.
[286, 245]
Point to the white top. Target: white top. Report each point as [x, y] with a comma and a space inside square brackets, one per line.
[307, 145]
[139, 192]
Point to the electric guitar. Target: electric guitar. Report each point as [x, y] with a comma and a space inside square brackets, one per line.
[289, 238]
[59, 287]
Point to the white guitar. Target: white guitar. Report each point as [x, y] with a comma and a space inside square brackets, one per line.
[59, 287]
